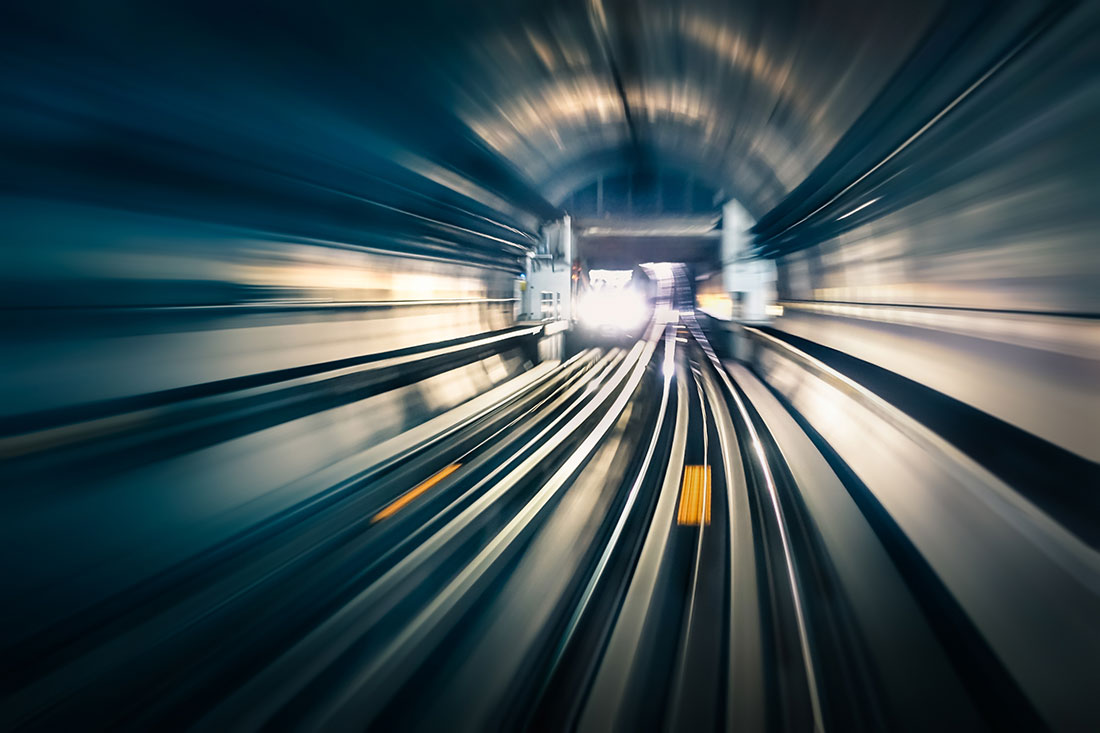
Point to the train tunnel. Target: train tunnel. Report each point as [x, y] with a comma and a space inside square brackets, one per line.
[581, 365]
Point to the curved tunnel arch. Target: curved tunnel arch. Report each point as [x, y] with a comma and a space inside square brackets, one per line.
[587, 169]
[743, 98]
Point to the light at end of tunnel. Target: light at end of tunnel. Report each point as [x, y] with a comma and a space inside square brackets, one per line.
[612, 278]
[660, 270]
[623, 309]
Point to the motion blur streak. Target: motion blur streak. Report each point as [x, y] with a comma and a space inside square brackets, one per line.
[408, 497]
[587, 365]
[695, 496]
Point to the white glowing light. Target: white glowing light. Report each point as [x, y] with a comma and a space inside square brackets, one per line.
[623, 309]
[613, 278]
[660, 270]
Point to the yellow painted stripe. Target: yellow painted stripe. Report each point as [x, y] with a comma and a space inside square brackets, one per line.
[402, 501]
[695, 497]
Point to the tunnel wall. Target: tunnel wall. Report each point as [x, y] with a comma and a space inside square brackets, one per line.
[180, 381]
[972, 267]
[996, 205]
[103, 304]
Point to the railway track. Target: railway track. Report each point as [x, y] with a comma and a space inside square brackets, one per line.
[642, 537]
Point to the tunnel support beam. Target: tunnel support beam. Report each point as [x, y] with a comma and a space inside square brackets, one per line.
[749, 280]
[548, 296]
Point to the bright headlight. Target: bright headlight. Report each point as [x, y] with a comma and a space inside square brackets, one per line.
[622, 309]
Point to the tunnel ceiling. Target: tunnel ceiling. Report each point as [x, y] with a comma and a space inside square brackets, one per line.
[751, 96]
[502, 110]
[755, 98]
